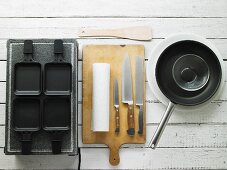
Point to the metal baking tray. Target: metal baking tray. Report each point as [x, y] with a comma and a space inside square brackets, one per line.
[22, 96]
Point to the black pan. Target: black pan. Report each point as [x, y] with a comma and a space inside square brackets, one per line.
[57, 75]
[58, 82]
[56, 119]
[26, 120]
[188, 73]
[28, 73]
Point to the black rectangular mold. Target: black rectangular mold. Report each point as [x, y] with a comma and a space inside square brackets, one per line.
[26, 114]
[57, 74]
[57, 78]
[27, 73]
[26, 120]
[56, 120]
[27, 78]
[56, 114]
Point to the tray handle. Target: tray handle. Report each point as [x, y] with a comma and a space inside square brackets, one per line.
[114, 158]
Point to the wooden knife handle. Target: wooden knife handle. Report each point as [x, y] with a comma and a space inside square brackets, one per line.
[117, 120]
[131, 122]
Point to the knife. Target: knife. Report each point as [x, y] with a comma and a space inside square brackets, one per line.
[116, 105]
[127, 94]
[139, 91]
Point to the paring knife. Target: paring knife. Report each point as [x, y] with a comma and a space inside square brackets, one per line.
[127, 94]
[116, 105]
[139, 91]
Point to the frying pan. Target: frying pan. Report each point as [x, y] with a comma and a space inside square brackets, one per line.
[26, 120]
[28, 73]
[57, 75]
[56, 119]
[188, 73]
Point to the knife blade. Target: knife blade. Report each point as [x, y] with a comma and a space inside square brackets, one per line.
[116, 105]
[139, 91]
[127, 94]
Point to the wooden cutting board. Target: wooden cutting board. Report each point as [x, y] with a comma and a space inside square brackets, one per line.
[114, 55]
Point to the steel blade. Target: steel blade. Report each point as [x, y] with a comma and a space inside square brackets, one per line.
[116, 97]
[139, 81]
[126, 81]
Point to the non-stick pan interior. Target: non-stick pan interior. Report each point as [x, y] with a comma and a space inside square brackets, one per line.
[57, 78]
[26, 114]
[171, 89]
[57, 113]
[28, 78]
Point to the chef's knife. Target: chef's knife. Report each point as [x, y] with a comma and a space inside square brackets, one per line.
[127, 94]
[116, 105]
[139, 91]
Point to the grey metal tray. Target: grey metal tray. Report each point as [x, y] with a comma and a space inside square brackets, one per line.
[43, 54]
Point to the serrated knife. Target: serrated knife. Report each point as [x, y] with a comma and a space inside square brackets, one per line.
[127, 94]
[139, 91]
[116, 105]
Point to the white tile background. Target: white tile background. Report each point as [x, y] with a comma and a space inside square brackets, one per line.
[196, 140]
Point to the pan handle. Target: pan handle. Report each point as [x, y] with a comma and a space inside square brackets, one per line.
[28, 50]
[26, 142]
[58, 50]
[162, 125]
